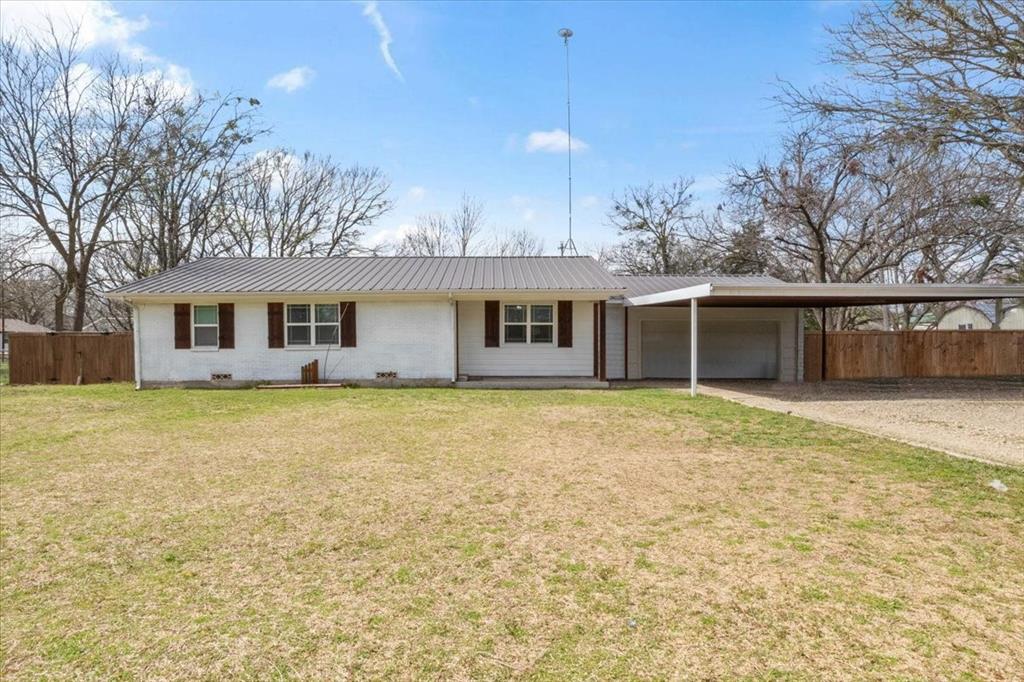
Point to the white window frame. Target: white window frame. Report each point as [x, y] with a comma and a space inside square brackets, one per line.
[312, 325]
[195, 325]
[529, 324]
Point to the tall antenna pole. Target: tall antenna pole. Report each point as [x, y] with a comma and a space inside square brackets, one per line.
[568, 246]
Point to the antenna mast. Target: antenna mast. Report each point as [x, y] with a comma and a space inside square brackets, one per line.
[568, 246]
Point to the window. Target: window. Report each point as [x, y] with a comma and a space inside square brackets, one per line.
[535, 323]
[965, 327]
[204, 326]
[308, 324]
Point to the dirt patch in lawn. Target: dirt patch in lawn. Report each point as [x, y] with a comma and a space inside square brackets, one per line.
[489, 534]
[982, 419]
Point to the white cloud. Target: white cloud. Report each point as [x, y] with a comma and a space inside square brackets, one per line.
[389, 235]
[529, 215]
[98, 24]
[687, 145]
[292, 79]
[589, 201]
[372, 12]
[554, 141]
[416, 193]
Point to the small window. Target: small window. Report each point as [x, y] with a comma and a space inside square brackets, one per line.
[312, 324]
[529, 323]
[966, 327]
[205, 330]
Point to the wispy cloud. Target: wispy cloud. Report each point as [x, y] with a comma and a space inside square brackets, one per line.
[292, 79]
[416, 193]
[589, 201]
[553, 141]
[372, 12]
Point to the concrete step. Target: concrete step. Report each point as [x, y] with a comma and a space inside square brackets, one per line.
[531, 383]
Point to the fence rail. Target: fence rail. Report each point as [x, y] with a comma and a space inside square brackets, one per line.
[71, 358]
[869, 355]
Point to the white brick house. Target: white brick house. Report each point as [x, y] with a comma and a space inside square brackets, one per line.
[435, 321]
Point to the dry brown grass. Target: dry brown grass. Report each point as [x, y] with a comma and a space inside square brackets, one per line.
[361, 533]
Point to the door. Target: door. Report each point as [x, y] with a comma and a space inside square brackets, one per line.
[726, 349]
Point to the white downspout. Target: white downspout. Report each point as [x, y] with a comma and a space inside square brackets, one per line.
[137, 343]
[693, 347]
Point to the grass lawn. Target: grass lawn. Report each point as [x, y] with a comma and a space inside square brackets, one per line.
[469, 534]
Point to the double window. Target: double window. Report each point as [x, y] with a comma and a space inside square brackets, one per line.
[205, 326]
[312, 324]
[529, 323]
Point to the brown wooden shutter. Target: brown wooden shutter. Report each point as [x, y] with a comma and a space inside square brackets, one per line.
[565, 324]
[182, 325]
[348, 324]
[275, 325]
[492, 324]
[226, 325]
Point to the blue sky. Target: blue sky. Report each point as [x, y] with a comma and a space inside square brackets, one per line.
[659, 90]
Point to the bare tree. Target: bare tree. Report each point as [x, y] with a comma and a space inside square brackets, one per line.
[936, 71]
[73, 139]
[172, 216]
[519, 242]
[860, 208]
[431, 236]
[281, 204]
[466, 223]
[438, 234]
[654, 221]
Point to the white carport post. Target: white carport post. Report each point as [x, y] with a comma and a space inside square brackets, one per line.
[693, 347]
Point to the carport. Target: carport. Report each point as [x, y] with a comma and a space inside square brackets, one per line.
[746, 347]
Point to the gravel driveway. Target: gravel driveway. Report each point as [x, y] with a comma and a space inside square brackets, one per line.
[980, 419]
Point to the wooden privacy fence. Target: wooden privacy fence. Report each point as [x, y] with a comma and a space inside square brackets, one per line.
[868, 355]
[71, 358]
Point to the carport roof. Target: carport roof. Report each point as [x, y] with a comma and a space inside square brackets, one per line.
[817, 295]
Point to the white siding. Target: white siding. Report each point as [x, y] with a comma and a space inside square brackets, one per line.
[524, 359]
[615, 340]
[413, 338]
[790, 345]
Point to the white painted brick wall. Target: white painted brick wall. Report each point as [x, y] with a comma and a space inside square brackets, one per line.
[522, 359]
[413, 338]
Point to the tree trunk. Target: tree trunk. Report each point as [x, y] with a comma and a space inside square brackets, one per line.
[81, 287]
[58, 312]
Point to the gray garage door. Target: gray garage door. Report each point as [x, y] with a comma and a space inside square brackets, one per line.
[725, 349]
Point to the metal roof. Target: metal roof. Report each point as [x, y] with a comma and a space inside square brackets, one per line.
[16, 326]
[641, 285]
[398, 274]
[814, 295]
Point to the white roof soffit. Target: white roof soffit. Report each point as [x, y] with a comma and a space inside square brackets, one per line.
[785, 294]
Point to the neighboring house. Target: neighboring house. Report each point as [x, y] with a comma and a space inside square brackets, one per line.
[964, 318]
[1013, 318]
[13, 326]
[421, 320]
